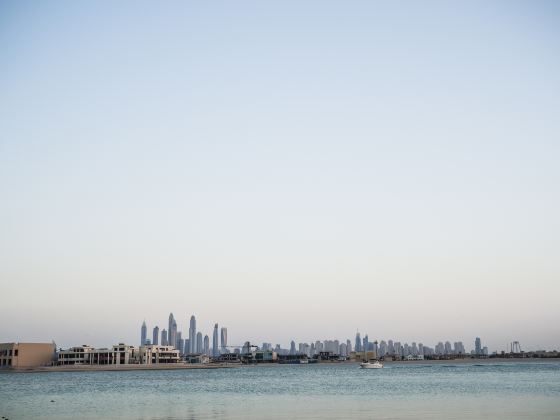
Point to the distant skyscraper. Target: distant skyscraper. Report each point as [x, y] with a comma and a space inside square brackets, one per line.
[318, 347]
[406, 350]
[383, 348]
[358, 346]
[192, 335]
[179, 342]
[390, 347]
[477, 346]
[223, 340]
[173, 334]
[155, 336]
[293, 347]
[206, 349]
[169, 327]
[172, 331]
[398, 349]
[164, 341]
[365, 346]
[348, 347]
[198, 342]
[215, 349]
[143, 334]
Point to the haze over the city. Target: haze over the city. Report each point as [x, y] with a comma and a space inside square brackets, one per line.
[297, 170]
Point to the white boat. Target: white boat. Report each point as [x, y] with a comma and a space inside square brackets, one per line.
[369, 365]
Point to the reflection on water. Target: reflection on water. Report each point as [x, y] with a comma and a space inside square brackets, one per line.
[400, 391]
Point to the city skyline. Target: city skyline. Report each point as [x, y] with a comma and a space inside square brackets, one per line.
[427, 338]
[442, 347]
[292, 169]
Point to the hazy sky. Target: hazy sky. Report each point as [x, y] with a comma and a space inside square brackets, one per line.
[286, 169]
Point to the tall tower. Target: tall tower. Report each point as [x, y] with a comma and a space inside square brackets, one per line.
[143, 334]
[206, 348]
[172, 331]
[192, 335]
[155, 336]
[477, 346]
[215, 349]
[223, 340]
[358, 346]
[164, 341]
[198, 349]
[172, 334]
[179, 342]
[292, 347]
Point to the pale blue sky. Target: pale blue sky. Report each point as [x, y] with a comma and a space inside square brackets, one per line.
[289, 170]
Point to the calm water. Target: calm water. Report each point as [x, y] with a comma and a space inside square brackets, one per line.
[400, 391]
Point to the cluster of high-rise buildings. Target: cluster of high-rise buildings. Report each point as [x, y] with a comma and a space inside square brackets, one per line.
[379, 348]
[195, 343]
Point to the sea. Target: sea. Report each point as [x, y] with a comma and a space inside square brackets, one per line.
[501, 390]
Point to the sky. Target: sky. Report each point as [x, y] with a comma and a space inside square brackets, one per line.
[289, 170]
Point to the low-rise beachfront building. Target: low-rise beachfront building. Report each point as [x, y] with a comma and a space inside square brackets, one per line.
[265, 356]
[75, 356]
[27, 355]
[363, 355]
[153, 355]
[412, 357]
[197, 358]
[120, 354]
[229, 358]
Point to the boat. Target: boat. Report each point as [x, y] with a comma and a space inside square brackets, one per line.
[370, 365]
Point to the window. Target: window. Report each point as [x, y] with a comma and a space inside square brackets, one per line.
[16, 352]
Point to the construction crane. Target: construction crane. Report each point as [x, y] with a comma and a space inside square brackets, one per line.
[242, 347]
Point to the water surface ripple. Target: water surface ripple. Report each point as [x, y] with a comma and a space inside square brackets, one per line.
[400, 391]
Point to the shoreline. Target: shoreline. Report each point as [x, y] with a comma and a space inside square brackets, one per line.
[181, 366]
[117, 368]
[493, 360]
